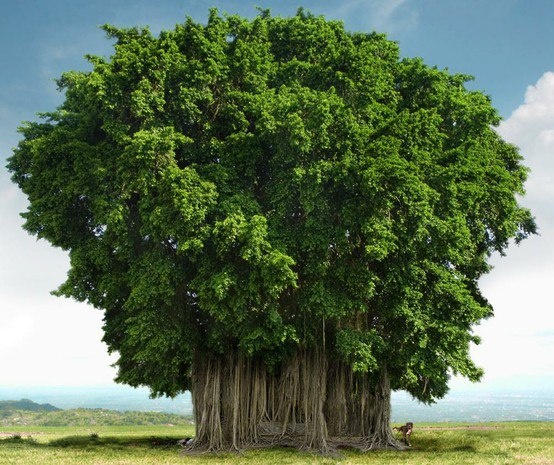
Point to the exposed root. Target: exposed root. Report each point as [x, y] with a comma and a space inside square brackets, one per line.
[334, 445]
[308, 403]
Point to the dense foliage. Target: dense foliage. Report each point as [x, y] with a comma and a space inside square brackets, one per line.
[271, 187]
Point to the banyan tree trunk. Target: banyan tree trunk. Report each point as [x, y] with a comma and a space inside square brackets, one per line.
[229, 396]
[306, 403]
[358, 410]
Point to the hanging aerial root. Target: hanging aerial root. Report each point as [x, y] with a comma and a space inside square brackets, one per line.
[307, 403]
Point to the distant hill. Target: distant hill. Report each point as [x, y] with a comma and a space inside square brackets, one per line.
[116, 397]
[26, 405]
[26, 412]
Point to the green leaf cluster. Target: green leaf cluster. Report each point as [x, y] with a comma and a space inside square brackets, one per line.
[268, 184]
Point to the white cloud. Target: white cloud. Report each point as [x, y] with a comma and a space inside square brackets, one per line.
[517, 341]
[14, 331]
[28, 266]
[387, 9]
[531, 128]
[531, 125]
[389, 16]
[52, 341]
[44, 340]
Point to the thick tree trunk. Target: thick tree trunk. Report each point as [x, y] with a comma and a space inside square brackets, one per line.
[380, 432]
[229, 396]
[306, 403]
[357, 410]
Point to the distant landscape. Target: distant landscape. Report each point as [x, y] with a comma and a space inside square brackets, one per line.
[33, 433]
[473, 405]
[26, 405]
[25, 412]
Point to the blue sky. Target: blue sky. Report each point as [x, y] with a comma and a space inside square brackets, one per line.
[506, 44]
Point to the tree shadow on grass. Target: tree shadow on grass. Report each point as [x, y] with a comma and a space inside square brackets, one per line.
[438, 445]
[93, 441]
[117, 442]
[18, 439]
[423, 445]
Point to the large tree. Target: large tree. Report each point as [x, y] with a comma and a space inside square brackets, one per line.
[278, 215]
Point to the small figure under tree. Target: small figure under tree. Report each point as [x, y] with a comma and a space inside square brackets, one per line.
[279, 215]
[406, 431]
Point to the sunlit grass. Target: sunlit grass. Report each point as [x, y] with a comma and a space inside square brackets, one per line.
[441, 444]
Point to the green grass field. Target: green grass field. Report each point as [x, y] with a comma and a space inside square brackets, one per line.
[439, 443]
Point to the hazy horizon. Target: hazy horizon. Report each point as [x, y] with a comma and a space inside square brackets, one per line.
[459, 405]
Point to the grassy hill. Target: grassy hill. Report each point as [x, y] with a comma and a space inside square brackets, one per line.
[27, 405]
[28, 413]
